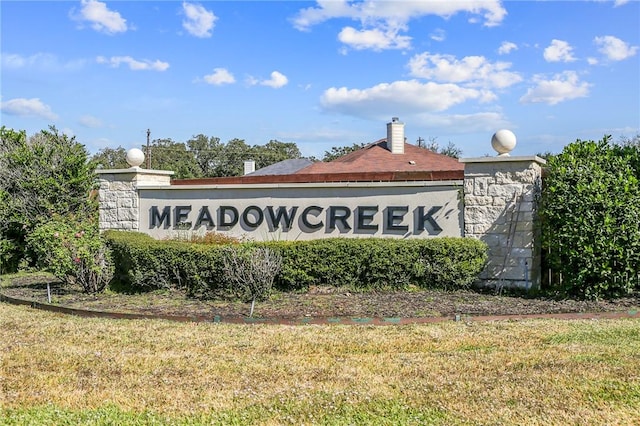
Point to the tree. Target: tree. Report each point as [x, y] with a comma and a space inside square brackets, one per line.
[46, 174]
[207, 152]
[627, 141]
[339, 151]
[169, 155]
[111, 158]
[232, 158]
[273, 152]
[450, 150]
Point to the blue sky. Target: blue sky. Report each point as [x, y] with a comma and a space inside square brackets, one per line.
[323, 74]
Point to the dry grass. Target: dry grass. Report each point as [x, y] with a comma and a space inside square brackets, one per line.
[57, 369]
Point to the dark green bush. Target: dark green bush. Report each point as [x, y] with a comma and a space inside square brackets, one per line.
[143, 263]
[381, 264]
[590, 215]
[360, 264]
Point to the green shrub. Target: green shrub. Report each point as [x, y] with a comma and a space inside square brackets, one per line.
[359, 264]
[143, 263]
[590, 215]
[10, 254]
[381, 264]
[47, 173]
[73, 251]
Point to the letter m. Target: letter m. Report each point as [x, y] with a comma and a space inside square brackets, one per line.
[158, 219]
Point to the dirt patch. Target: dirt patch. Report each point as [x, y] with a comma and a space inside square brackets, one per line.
[317, 302]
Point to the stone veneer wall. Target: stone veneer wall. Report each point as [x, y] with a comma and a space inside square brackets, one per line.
[500, 203]
[118, 195]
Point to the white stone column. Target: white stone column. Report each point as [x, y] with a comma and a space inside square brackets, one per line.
[118, 195]
[500, 203]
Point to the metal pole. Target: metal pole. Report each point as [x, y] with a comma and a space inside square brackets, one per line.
[148, 150]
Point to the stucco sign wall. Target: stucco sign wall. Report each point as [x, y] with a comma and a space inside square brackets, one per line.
[305, 211]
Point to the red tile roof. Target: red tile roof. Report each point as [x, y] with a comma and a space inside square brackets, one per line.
[376, 158]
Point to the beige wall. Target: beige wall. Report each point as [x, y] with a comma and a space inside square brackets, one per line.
[500, 196]
[383, 209]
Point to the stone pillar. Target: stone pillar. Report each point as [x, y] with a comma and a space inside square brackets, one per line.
[118, 195]
[500, 203]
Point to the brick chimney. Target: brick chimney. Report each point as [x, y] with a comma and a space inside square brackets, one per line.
[395, 136]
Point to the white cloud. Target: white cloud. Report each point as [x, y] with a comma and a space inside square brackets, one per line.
[276, 81]
[199, 21]
[616, 3]
[475, 71]
[219, 77]
[614, 48]
[438, 35]
[383, 22]
[15, 61]
[40, 61]
[507, 47]
[28, 108]
[134, 64]
[399, 12]
[559, 51]
[464, 123]
[90, 121]
[398, 97]
[374, 39]
[592, 61]
[101, 19]
[562, 87]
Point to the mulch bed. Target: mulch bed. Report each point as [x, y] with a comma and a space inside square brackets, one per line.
[317, 302]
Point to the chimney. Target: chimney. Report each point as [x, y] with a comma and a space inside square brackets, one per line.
[249, 167]
[395, 136]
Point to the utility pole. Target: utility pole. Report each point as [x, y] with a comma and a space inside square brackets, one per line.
[148, 150]
[420, 140]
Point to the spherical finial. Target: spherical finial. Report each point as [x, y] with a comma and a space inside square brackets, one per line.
[503, 141]
[135, 157]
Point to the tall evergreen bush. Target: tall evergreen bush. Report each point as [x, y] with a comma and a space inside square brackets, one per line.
[46, 174]
[590, 215]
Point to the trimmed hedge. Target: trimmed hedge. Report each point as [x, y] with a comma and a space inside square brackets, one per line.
[590, 216]
[359, 264]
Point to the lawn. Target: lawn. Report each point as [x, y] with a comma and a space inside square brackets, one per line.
[57, 369]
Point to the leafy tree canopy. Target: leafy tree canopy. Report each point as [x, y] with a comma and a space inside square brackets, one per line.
[204, 156]
[339, 151]
[111, 158]
[167, 154]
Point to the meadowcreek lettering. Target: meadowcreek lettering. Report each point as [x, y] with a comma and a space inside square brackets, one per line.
[361, 219]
